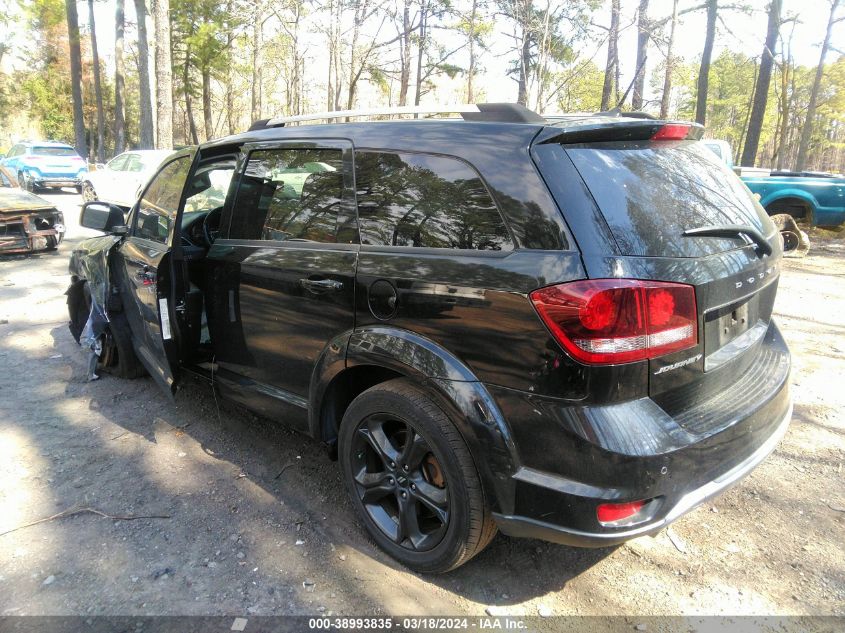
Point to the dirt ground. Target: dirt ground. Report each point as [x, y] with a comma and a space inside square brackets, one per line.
[258, 522]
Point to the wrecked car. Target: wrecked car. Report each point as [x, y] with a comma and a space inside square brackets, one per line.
[554, 329]
[28, 223]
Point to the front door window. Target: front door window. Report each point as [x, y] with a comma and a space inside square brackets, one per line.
[160, 202]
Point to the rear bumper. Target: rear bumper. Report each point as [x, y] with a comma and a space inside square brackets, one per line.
[526, 527]
[54, 181]
[675, 455]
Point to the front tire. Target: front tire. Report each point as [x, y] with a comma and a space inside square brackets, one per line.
[25, 181]
[117, 356]
[412, 479]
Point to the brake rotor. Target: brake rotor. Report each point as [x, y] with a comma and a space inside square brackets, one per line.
[432, 472]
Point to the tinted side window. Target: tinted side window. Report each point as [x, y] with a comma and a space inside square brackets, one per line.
[423, 200]
[160, 202]
[289, 194]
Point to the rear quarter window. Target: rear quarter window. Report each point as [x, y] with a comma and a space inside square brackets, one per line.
[425, 201]
[650, 193]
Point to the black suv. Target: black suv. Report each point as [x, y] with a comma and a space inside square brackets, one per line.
[557, 329]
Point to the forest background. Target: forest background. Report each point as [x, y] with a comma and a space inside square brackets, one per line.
[766, 76]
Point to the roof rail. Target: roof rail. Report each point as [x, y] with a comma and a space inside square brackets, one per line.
[491, 112]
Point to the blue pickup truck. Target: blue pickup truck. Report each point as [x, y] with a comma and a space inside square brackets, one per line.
[816, 197]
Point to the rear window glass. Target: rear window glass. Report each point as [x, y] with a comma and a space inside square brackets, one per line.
[54, 151]
[649, 194]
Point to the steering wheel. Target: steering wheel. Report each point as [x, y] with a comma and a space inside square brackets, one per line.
[211, 225]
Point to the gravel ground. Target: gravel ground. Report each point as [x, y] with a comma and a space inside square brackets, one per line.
[257, 521]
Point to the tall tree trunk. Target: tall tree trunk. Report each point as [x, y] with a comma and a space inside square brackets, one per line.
[164, 76]
[807, 130]
[208, 123]
[76, 78]
[670, 64]
[331, 43]
[761, 91]
[405, 54]
[785, 103]
[784, 116]
[524, 65]
[421, 50]
[338, 75]
[98, 89]
[611, 69]
[643, 36]
[189, 109]
[119, 87]
[146, 107]
[744, 127]
[230, 91]
[257, 24]
[296, 65]
[706, 55]
[472, 61]
[354, 71]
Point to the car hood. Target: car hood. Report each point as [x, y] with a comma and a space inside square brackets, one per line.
[13, 199]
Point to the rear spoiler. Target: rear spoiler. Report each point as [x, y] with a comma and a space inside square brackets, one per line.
[598, 130]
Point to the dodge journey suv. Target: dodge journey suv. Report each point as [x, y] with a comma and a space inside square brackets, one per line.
[557, 329]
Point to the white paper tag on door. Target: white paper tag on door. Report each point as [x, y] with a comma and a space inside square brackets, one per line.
[165, 319]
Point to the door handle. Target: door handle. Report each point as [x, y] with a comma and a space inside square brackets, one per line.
[321, 285]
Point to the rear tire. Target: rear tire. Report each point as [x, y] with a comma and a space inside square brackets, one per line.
[420, 499]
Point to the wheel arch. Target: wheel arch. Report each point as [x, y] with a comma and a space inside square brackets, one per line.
[791, 195]
[377, 354]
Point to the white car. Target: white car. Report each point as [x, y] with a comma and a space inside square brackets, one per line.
[120, 180]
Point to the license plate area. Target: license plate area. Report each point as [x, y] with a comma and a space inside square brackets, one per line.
[722, 325]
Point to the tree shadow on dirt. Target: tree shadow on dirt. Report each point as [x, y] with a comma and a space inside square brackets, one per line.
[296, 472]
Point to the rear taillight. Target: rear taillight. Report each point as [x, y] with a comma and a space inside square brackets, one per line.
[603, 321]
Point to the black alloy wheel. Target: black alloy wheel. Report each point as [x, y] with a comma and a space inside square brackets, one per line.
[400, 482]
[412, 479]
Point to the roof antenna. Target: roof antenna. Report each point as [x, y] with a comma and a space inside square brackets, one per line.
[617, 109]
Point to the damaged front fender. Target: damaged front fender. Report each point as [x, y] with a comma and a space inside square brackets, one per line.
[89, 262]
[87, 297]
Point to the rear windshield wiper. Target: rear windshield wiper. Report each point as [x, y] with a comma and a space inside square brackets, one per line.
[732, 230]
